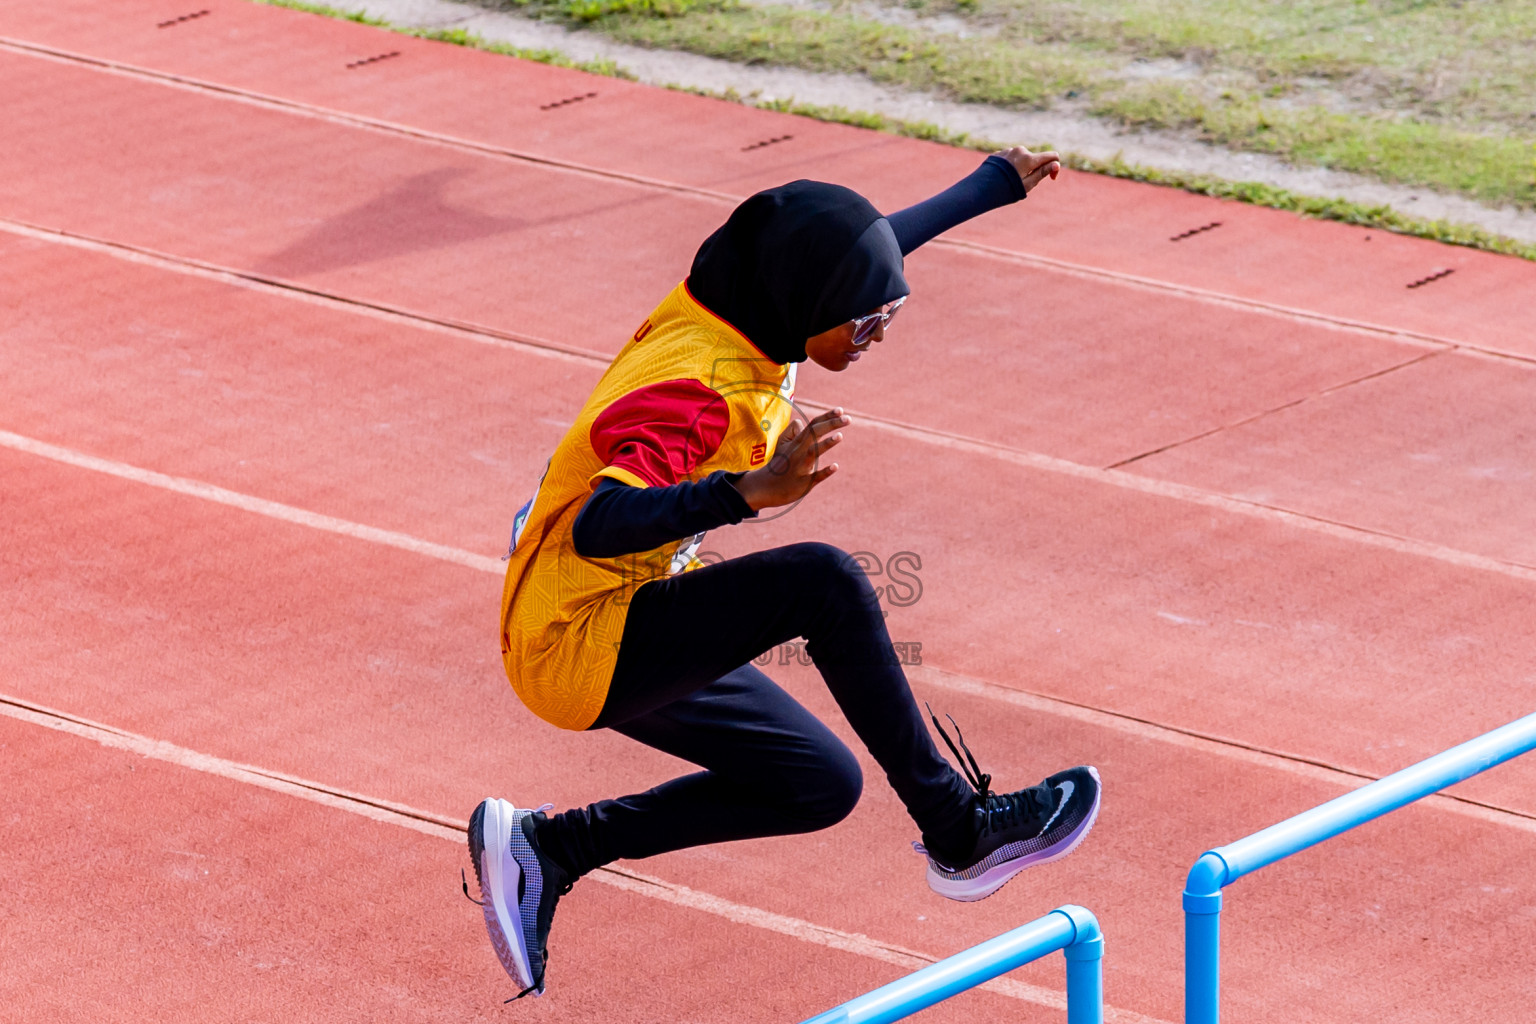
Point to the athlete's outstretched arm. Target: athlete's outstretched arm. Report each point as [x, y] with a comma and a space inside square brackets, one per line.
[1002, 178]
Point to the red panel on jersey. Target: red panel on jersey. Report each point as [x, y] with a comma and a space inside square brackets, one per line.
[661, 432]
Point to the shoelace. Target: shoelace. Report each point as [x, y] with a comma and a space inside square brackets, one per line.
[1007, 810]
[980, 781]
[1000, 810]
[464, 880]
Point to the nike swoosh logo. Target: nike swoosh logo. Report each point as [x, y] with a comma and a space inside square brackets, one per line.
[1067, 789]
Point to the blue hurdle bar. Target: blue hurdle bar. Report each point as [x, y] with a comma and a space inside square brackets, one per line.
[1071, 929]
[1226, 864]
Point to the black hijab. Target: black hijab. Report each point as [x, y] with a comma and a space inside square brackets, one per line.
[797, 260]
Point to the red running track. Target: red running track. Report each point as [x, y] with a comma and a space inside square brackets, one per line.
[1329, 519]
[1257, 254]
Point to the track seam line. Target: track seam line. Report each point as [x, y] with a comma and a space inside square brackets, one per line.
[443, 827]
[276, 286]
[1120, 721]
[1282, 407]
[487, 149]
[478, 334]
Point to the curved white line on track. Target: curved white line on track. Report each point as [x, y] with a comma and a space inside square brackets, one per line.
[1277, 760]
[444, 827]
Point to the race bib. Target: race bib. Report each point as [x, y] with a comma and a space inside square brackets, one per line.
[521, 519]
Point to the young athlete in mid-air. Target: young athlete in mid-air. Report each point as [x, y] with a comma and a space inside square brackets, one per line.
[610, 622]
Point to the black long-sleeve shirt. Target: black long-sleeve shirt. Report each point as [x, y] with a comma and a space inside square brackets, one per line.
[995, 183]
[619, 519]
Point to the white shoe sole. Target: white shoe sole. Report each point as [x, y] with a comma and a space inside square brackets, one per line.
[499, 878]
[970, 890]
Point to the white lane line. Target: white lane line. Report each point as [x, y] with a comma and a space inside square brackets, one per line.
[1129, 481]
[1276, 760]
[1224, 300]
[247, 503]
[544, 348]
[443, 826]
[1204, 743]
[1080, 270]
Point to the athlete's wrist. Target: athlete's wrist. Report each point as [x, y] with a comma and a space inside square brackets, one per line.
[750, 487]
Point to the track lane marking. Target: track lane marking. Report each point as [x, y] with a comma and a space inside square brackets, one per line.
[248, 503]
[1293, 764]
[1192, 739]
[1130, 481]
[934, 436]
[442, 826]
[1081, 270]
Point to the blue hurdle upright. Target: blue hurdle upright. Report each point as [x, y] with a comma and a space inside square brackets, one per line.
[1226, 864]
[1070, 929]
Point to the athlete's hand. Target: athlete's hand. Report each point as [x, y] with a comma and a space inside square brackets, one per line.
[793, 470]
[1033, 167]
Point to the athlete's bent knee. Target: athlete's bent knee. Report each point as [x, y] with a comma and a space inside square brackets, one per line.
[839, 784]
[833, 572]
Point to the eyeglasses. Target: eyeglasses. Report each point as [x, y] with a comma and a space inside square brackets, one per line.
[864, 327]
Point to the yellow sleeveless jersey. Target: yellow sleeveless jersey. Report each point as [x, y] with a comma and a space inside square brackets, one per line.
[689, 395]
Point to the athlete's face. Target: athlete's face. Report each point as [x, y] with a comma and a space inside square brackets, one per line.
[835, 350]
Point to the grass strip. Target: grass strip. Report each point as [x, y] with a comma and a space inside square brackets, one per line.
[1015, 74]
[1490, 168]
[969, 70]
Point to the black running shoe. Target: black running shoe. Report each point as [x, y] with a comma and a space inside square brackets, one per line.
[519, 886]
[1015, 830]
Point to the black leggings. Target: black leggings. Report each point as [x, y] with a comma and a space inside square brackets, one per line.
[684, 685]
